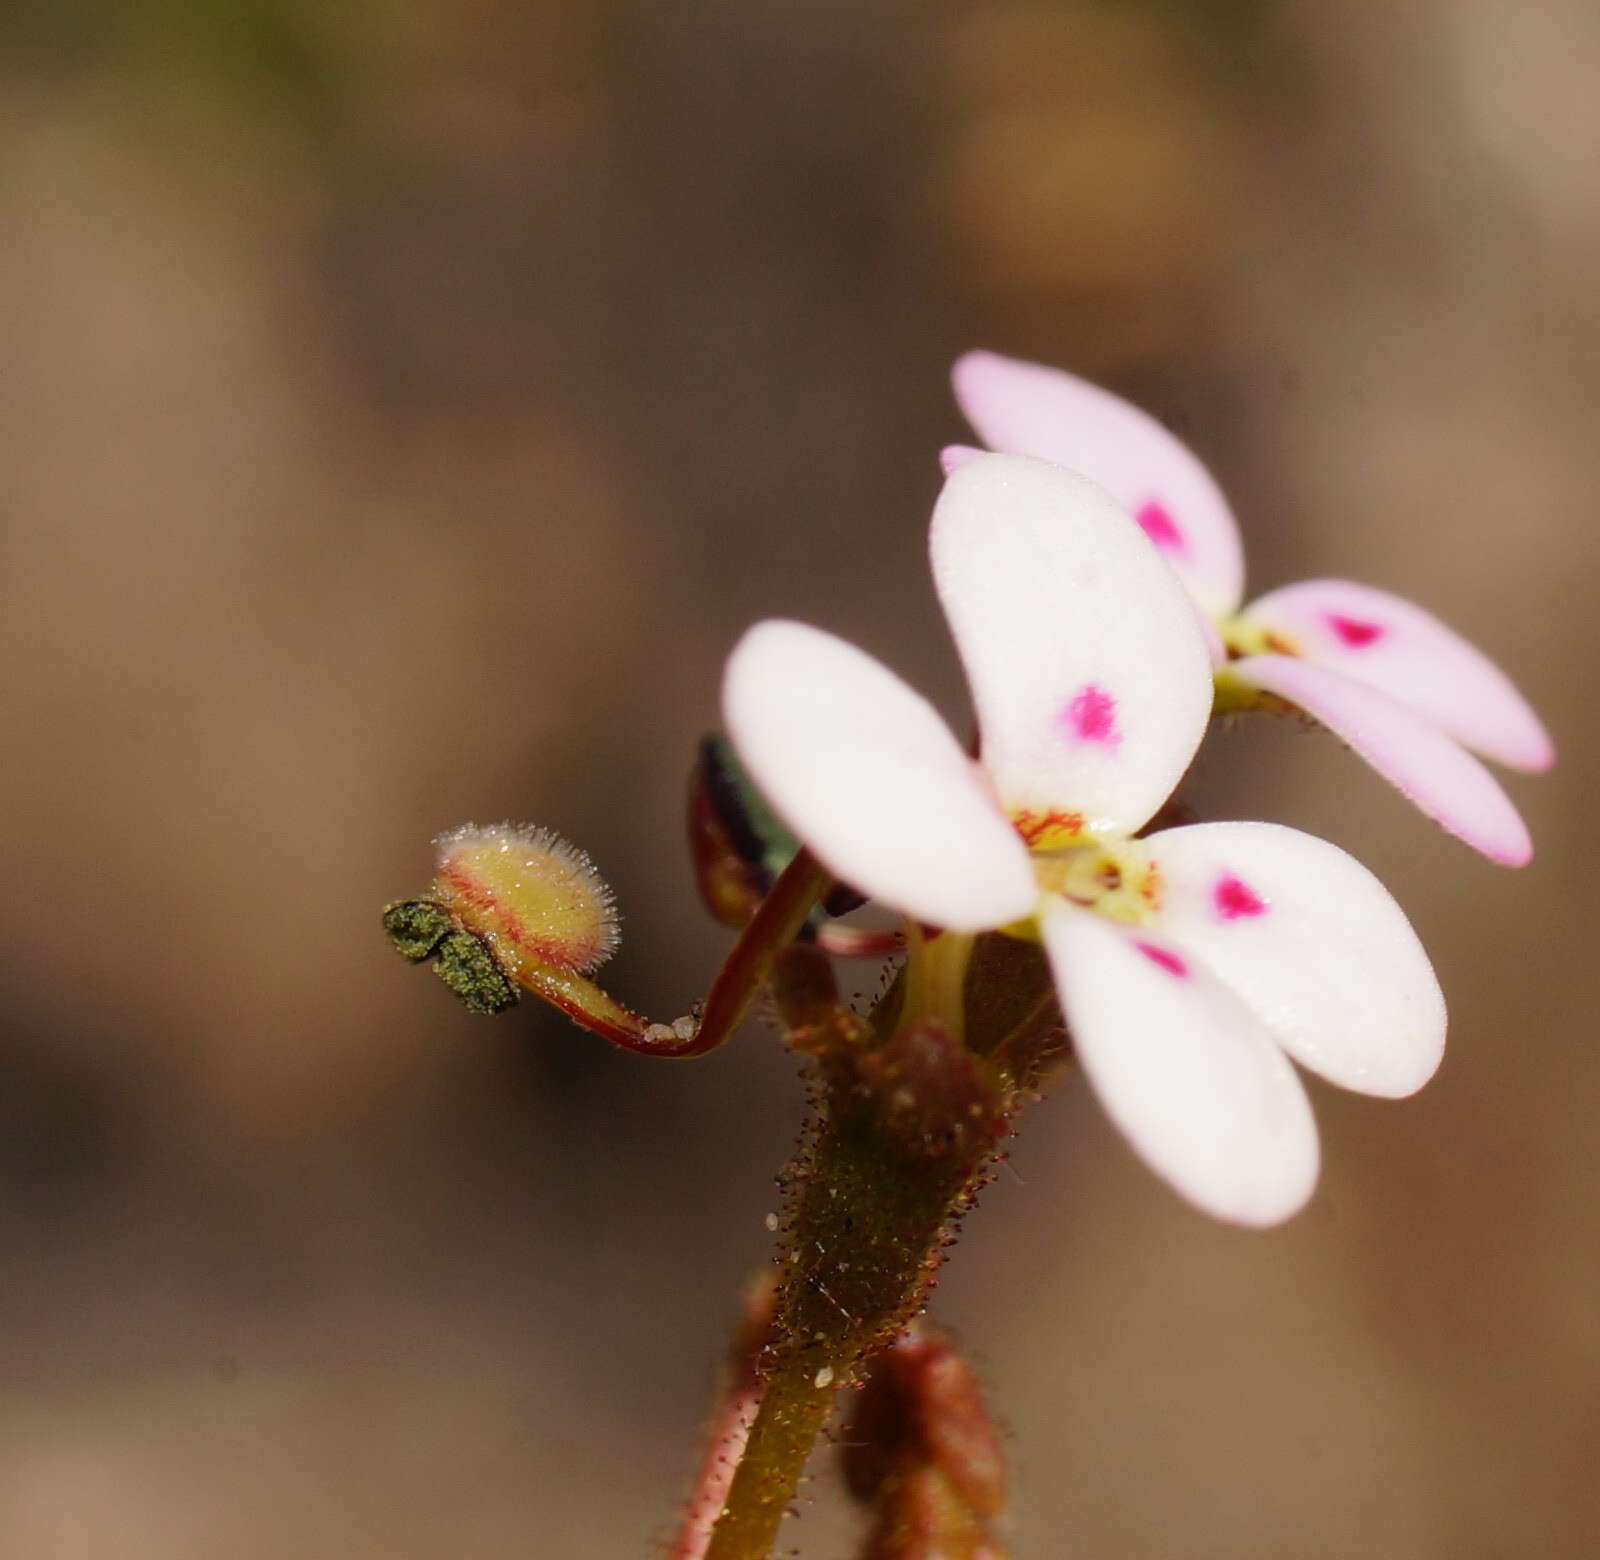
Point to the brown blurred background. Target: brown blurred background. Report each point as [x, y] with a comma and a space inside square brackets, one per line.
[403, 407]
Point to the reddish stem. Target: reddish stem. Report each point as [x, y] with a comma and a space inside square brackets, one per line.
[745, 970]
[859, 942]
[749, 962]
[730, 1431]
[728, 1438]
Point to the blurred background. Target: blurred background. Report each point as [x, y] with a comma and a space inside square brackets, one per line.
[403, 406]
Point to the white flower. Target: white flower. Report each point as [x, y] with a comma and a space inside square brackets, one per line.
[1404, 691]
[1187, 963]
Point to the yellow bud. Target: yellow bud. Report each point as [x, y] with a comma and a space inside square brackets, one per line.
[529, 894]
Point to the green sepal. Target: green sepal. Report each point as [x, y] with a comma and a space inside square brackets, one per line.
[756, 832]
[752, 830]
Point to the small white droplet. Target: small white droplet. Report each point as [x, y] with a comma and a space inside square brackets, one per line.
[772, 1223]
[824, 1377]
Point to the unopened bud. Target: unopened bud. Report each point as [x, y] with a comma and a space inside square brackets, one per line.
[527, 893]
[516, 906]
[739, 845]
[922, 1451]
[731, 860]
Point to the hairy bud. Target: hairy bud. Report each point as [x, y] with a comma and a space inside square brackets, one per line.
[527, 892]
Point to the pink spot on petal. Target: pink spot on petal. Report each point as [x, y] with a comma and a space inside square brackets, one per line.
[1156, 521]
[1355, 632]
[1168, 960]
[1235, 898]
[1091, 716]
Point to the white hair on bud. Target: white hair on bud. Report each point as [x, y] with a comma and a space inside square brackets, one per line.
[532, 887]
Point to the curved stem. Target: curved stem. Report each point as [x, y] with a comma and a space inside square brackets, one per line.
[749, 963]
[744, 971]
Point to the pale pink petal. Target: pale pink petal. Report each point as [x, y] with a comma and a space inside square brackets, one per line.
[1313, 943]
[1026, 409]
[953, 455]
[1187, 1072]
[1396, 646]
[1088, 670]
[866, 773]
[1410, 752]
[1215, 648]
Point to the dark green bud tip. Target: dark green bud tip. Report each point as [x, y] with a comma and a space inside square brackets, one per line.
[416, 927]
[467, 967]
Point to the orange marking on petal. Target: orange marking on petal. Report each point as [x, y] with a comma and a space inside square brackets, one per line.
[1048, 830]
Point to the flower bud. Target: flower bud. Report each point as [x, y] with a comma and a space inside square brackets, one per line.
[922, 1451]
[738, 844]
[727, 856]
[528, 894]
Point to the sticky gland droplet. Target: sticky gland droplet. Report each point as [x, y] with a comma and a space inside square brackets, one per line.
[1357, 633]
[527, 887]
[678, 1029]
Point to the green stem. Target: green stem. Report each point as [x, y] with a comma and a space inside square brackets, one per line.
[876, 1205]
[936, 974]
[792, 1413]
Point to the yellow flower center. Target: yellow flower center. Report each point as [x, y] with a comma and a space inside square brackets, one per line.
[1241, 637]
[1115, 878]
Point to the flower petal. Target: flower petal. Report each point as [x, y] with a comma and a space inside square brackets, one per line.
[1088, 669]
[1027, 409]
[867, 774]
[1313, 944]
[1430, 770]
[1187, 1072]
[953, 455]
[1396, 646]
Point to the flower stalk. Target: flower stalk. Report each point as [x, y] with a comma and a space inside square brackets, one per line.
[908, 1125]
[476, 928]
